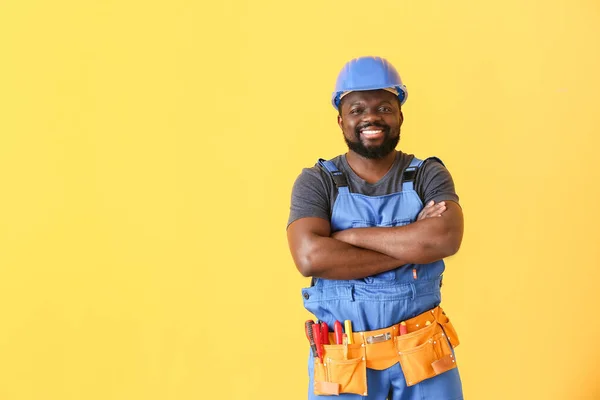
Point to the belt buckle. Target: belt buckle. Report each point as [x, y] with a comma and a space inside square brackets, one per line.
[379, 338]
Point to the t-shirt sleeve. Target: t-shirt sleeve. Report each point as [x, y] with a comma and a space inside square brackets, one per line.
[434, 182]
[310, 196]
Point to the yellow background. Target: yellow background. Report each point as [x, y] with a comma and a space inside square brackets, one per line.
[147, 153]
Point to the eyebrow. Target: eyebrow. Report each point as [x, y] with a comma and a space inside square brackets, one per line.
[360, 102]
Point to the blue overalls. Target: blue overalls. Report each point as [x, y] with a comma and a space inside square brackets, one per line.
[384, 299]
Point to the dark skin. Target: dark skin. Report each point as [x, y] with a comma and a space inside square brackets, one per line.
[370, 107]
[360, 252]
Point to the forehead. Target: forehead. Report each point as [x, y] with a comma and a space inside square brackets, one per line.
[368, 96]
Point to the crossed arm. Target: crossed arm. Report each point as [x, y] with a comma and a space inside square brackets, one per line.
[360, 252]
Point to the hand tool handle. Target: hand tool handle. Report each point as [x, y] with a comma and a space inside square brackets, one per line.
[308, 329]
[317, 337]
[403, 328]
[348, 326]
[338, 333]
[324, 333]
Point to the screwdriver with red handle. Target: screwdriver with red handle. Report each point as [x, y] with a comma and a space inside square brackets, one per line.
[318, 343]
[324, 333]
[338, 332]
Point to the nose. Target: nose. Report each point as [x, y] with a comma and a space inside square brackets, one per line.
[370, 116]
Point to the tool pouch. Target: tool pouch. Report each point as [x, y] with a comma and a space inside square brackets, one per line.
[424, 352]
[427, 352]
[344, 370]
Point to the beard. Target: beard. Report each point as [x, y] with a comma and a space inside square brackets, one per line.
[373, 152]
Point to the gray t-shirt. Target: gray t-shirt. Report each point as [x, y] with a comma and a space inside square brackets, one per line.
[314, 192]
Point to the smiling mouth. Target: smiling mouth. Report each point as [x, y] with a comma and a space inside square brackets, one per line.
[371, 133]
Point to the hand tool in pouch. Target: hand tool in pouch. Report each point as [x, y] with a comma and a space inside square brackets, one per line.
[403, 328]
[345, 343]
[338, 333]
[348, 326]
[318, 342]
[324, 333]
[308, 329]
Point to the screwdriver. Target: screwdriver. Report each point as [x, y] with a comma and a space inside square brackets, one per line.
[348, 325]
[403, 328]
[316, 328]
[308, 329]
[324, 333]
[338, 333]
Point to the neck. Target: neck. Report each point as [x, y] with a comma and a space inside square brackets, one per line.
[371, 170]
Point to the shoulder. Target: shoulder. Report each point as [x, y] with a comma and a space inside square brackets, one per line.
[434, 181]
[426, 167]
[423, 162]
[317, 178]
[318, 171]
[432, 171]
[311, 194]
[432, 166]
[336, 162]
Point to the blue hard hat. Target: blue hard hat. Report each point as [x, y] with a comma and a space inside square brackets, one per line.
[368, 73]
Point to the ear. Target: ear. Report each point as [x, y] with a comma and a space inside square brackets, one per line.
[401, 118]
[340, 122]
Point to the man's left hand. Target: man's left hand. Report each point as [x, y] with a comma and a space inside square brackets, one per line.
[432, 210]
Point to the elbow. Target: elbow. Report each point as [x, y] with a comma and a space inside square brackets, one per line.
[309, 256]
[451, 245]
[443, 247]
[307, 273]
[305, 269]
[456, 246]
[306, 265]
[452, 249]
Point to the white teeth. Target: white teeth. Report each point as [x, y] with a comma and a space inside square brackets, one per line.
[371, 132]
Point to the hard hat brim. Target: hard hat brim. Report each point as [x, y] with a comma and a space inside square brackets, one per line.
[399, 91]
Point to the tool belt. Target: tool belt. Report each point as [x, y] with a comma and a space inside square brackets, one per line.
[423, 352]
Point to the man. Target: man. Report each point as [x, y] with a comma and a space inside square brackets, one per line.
[358, 226]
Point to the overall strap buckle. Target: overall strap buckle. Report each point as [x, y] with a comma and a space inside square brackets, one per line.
[410, 174]
[339, 179]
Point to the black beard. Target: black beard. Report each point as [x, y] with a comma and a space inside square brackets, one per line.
[379, 152]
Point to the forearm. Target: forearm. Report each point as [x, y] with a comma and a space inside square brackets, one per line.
[324, 257]
[421, 242]
[410, 242]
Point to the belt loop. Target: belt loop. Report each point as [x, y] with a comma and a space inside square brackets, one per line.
[414, 291]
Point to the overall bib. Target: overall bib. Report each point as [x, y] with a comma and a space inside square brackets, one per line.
[385, 299]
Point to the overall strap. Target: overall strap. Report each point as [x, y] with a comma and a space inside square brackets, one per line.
[339, 179]
[341, 183]
[410, 173]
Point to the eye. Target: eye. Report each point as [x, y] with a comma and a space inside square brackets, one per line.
[385, 109]
[355, 110]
